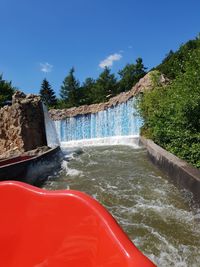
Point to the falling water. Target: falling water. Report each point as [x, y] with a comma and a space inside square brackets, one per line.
[121, 120]
[51, 134]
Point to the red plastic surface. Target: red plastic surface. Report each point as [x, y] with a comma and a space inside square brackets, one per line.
[40, 228]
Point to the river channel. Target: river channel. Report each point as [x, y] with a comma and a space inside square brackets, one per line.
[162, 220]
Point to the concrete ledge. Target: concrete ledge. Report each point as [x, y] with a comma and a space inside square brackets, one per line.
[178, 170]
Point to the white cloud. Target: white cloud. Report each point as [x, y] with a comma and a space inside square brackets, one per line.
[46, 67]
[130, 47]
[108, 62]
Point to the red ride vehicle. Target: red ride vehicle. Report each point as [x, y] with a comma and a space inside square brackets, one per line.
[40, 228]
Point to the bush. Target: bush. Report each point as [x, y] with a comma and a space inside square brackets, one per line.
[172, 113]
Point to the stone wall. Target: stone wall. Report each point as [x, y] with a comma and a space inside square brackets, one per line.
[22, 124]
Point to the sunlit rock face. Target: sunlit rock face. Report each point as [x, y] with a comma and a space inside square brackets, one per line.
[144, 84]
[22, 124]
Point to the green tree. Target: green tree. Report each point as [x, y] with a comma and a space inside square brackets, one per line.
[69, 90]
[86, 92]
[130, 75]
[172, 113]
[47, 94]
[105, 86]
[174, 63]
[6, 91]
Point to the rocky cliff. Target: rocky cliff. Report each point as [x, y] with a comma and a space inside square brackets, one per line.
[22, 124]
[146, 83]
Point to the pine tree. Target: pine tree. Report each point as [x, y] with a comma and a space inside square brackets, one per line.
[130, 75]
[47, 94]
[69, 90]
[105, 87]
[6, 91]
[87, 90]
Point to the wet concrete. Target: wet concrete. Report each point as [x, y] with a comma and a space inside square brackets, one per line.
[178, 170]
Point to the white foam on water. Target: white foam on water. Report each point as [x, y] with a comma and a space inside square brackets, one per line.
[167, 254]
[70, 171]
[73, 172]
[177, 257]
[197, 216]
[145, 205]
[129, 140]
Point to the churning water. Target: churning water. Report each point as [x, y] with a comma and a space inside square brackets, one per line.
[161, 219]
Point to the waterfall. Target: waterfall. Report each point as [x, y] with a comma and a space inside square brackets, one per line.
[120, 120]
[51, 133]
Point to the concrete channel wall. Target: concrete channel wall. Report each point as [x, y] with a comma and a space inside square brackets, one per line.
[178, 170]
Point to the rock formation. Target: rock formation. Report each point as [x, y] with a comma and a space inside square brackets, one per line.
[22, 124]
[145, 83]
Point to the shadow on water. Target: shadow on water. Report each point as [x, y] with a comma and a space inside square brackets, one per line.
[160, 218]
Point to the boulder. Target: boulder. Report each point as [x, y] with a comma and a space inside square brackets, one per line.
[22, 125]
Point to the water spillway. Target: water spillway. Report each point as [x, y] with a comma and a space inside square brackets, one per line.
[120, 120]
[51, 133]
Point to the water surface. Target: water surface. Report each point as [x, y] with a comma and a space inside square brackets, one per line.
[162, 220]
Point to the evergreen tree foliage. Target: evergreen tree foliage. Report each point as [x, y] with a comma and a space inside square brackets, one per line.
[47, 94]
[105, 86]
[69, 91]
[87, 91]
[131, 74]
[100, 90]
[6, 91]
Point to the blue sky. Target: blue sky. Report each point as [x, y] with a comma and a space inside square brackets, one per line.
[41, 38]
